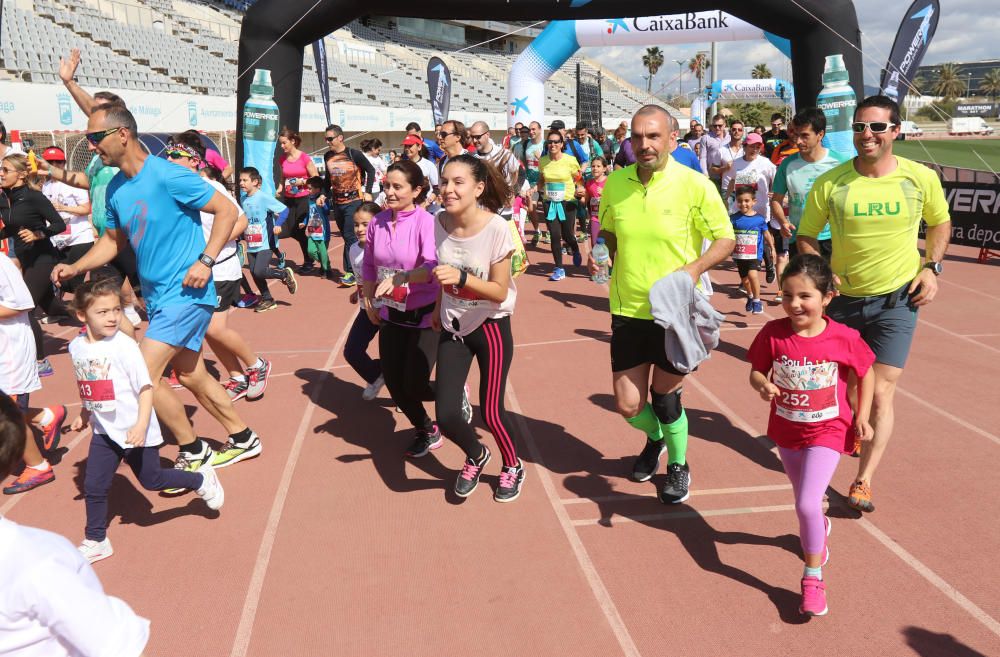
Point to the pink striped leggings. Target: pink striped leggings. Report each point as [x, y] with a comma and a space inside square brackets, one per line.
[492, 345]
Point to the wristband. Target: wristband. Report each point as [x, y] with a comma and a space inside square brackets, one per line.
[206, 260]
[462, 279]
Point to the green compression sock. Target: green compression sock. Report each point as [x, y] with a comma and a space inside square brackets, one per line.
[676, 434]
[646, 422]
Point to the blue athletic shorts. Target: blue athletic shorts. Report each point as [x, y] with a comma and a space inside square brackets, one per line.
[180, 325]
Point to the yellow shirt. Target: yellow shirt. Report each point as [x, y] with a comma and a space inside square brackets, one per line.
[559, 177]
[874, 223]
[659, 229]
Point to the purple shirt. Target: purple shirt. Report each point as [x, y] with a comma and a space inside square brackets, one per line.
[407, 245]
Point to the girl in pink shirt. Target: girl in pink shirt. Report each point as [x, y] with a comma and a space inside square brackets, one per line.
[599, 168]
[804, 365]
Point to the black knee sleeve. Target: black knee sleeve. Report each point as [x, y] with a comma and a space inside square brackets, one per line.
[667, 407]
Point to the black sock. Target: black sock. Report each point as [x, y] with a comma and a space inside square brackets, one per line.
[194, 449]
[242, 437]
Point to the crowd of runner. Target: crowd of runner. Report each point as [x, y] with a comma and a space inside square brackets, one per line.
[432, 245]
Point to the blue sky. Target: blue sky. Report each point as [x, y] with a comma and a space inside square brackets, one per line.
[967, 31]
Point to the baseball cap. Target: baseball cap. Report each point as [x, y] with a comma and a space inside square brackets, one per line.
[412, 139]
[557, 125]
[754, 138]
[54, 154]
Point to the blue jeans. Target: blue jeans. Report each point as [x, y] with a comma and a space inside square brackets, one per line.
[344, 216]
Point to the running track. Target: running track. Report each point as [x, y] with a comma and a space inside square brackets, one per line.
[332, 544]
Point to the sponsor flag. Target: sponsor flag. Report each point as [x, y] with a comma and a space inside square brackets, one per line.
[319, 53]
[914, 36]
[439, 88]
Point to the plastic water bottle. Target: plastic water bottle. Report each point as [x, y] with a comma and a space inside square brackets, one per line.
[837, 100]
[602, 257]
[260, 129]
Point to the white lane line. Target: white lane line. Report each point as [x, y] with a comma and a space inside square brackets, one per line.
[244, 631]
[625, 497]
[681, 515]
[954, 418]
[981, 335]
[547, 342]
[933, 578]
[590, 573]
[968, 289]
[959, 336]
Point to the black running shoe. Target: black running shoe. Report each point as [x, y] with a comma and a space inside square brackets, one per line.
[468, 478]
[510, 483]
[425, 442]
[676, 490]
[770, 275]
[648, 460]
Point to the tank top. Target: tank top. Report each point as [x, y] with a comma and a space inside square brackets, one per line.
[295, 169]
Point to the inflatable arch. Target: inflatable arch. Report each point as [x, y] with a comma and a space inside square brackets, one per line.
[275, 33]
[561, 39]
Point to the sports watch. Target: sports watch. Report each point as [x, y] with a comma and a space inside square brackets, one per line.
[206, 260]
[934, 267]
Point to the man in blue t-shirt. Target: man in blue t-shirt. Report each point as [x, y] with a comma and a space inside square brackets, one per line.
[155, 206]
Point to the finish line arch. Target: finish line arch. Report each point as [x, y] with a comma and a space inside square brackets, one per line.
[275, 33]
[560, 40]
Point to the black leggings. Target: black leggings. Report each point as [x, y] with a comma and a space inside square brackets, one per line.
[261, 270]
[37, 276]
[69, 256]
[407, 356]
[298, 211]
[562, 231]
[122, 267]
[493, 347]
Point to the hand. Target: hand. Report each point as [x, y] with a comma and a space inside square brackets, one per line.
[27, 236]
[926, 286]
[373, 315]
[367, 197]
[79, 424]
[446, 275]
[67, 67]
[60, 207]
[197, 276]
[321, 199]
[136, 436]
[63, 272]
[354, 296]
[277, 230]
[863, 430]
[787, 229]
[302, 225]
[769, 391]
[591, 264]
[580, 192]
[384, 287]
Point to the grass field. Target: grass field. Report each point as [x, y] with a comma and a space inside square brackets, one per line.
[953, 152]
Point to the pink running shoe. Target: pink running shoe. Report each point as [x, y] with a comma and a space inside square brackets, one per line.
[813, 597]
[53, 430]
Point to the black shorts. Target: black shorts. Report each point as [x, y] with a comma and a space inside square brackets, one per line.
[744, 267]
[825, 249]
[636, 342]
[227, 293]
[780, 241]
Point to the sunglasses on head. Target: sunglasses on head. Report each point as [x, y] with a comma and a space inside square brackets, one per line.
[877, 127]
[96, 138]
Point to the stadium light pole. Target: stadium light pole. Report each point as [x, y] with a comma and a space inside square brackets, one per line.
[680, 74]
[715, 73]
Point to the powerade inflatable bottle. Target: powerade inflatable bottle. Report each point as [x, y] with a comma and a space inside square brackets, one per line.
[837, 100]
[260, 129]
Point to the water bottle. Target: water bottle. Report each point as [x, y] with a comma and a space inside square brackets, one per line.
[837, 100]
[260, 129]
[602, 257]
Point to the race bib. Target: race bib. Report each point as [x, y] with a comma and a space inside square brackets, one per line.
[595, 205]
[314, 229]
[97, 390]
[397, 298]
[746, 246]
[555, 192]
[808, 393]
[254, 235]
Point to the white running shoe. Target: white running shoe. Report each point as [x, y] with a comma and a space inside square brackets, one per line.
[133, 316]
[94, 551]
[211, 489]
[373, 388]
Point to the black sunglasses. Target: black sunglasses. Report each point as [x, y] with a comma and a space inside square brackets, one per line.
[554, 141]
[877, 127]
[444, 134]
[96, 138]
[476, 137]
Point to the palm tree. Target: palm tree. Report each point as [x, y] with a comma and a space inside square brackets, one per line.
[990, 86]
[652, 60]
[949, 83]
[761, 72]
[917, 84]
[698, 64]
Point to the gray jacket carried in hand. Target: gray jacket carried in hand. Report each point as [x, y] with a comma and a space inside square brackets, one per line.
[691, 323]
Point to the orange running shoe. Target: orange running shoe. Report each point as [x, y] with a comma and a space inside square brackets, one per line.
[860, 497]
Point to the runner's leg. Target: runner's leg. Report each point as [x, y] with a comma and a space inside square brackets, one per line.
[882, 420]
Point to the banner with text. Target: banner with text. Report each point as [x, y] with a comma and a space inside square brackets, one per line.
[319, 54]
[915, 34]
[439, 89]
[975, 214]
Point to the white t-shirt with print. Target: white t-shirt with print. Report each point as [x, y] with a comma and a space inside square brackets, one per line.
[462, 310]
[758, 171]
[78, 227]
[53, 605]
[18, 370]
[109, 375]
[227, 264]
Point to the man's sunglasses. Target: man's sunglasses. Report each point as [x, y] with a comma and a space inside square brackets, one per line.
[476, 137]
[877, 127]
[96, 138]
[445, 135]
[718, 125]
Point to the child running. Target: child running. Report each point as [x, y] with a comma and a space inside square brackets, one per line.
[261, 209]
[316, 225]
[594, 189]
[812, 361]
[117, 398]
[750, 229]
[474, 246]
[363, 331]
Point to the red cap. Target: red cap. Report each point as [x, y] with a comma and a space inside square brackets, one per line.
[54, 154]
[412, 139]
[754, 138]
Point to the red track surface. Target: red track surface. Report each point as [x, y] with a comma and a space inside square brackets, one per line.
[332, 543]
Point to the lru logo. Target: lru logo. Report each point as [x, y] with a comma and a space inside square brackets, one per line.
[876, 209]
